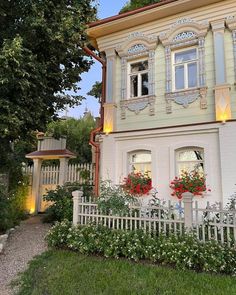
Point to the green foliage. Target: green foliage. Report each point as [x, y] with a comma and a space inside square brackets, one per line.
[77, 133]
[114, 198]
[13, 205]
[61, 201]
[41, 58]
[96, 90]
[182, 251]
[134, 4]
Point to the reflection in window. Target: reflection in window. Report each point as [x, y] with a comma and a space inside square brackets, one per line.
[140, 161]
[185, 69]
[138, 79]
[190, 159]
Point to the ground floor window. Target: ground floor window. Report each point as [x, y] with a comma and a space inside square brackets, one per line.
[140, 161]
[189, 159]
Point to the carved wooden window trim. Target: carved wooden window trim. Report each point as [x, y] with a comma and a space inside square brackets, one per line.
[183, 34]
[137, 46]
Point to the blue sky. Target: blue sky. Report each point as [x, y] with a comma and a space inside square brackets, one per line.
[106, 8]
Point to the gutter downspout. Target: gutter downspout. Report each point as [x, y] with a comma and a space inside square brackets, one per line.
[100, 128]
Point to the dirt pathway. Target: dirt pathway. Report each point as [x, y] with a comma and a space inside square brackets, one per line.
[23, 244]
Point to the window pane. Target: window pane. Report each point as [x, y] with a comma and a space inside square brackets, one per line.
[192, 75]
[179, 77]
[134, 86]
[139, 66]
[144, 78]
[190, 155]
[141, 158]
[189, 167]
[186, 55]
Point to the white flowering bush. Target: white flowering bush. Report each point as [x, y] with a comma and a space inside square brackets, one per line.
[181, 251]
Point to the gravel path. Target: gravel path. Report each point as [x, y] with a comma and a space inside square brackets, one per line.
[23, 244]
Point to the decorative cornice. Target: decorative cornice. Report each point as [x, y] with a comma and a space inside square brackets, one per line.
[218, 25]
[137, 43]
[138, 104]
[231, 22]
[186, 97]
[184, 29]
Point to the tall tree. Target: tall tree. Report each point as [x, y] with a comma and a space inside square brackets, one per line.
[134, 4]
[77, 132]
[41, 58]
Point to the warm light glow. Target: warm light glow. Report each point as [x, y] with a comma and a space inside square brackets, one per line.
[107, 129]
[223, 107]
[32, 210]
[108, 118]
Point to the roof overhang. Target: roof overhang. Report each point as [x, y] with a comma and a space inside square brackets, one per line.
[51, 154]
[141, 16]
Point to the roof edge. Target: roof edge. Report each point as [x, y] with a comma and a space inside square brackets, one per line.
[129, 13]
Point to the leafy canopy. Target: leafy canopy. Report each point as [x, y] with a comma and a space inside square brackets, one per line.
[77, 132]
[134, 4]
[41, 58]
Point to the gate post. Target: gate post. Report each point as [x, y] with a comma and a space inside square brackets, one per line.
[188, 210]
[77, 196]
[35, 206]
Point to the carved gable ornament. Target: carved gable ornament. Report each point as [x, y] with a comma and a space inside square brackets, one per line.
[136, 44]
[183, 33]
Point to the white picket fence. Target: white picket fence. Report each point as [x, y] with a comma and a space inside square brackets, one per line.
[208, 223]
[50, 174]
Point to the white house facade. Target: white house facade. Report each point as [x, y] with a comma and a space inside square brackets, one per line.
[170, 93]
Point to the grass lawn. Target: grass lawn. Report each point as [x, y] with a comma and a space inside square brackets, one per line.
[68, 273]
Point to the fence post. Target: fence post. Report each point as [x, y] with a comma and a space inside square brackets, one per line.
[188, 210]
[77, 195]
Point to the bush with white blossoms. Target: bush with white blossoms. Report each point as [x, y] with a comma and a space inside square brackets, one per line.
[181, 251]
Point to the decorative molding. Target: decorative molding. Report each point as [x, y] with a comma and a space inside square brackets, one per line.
[136, 43]
[186, 29]
[183, 33]
[186, 97]
[135, 46]
[138, 104]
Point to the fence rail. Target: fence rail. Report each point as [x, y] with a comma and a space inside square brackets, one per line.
[209, 223]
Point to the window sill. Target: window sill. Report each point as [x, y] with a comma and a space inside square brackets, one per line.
[186, 97]
[138, 104]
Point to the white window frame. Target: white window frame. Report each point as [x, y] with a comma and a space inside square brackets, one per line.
[139, 74]
[174, 65]
[131, 164]
[188, 148]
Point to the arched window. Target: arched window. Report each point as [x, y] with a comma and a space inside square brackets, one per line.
[140, 161]
[189, 159]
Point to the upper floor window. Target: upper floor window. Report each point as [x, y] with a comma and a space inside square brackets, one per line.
[140, 161]
[190, 159]
[185, 69]
[138, 79]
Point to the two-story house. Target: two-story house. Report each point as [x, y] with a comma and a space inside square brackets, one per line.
[170, 93]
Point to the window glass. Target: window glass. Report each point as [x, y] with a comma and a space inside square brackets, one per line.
[179, 77]
[184, 56]
[138, 79]
[192, 75]
[144, 84]
[139, 66]
[140, 161]
[134, 86]
[190, 159]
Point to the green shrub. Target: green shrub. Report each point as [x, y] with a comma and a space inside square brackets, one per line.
[114, 198]
[182, 251]
[13, 205]
[61, 201]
